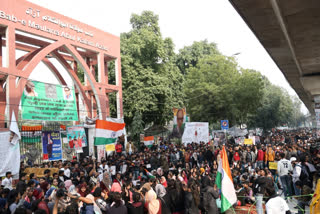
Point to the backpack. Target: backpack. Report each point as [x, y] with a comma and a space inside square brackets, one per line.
[305, 175]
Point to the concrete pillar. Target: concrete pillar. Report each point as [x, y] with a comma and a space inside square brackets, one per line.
[0, 50]
[101, 68]
[3, 103]
[12, 100]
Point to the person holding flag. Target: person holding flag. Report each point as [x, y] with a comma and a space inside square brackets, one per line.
[225, 183]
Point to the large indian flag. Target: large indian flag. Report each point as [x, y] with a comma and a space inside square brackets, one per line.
[225, 183]
[148, 141]
[107, 133]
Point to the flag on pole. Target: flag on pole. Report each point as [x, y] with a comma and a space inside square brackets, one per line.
[149, 174]
[148, 141]
[225, 183]
[107, 133]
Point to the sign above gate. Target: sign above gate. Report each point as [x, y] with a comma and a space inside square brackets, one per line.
[35, 19]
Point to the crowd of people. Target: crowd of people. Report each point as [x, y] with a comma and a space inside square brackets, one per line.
[171, 178]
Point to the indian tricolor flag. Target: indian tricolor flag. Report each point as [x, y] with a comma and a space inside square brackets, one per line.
[225, 183]
[148, 141]
[107, 133]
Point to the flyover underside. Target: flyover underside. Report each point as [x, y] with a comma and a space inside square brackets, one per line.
[290, 32]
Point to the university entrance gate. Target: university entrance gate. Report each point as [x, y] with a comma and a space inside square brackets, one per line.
[41, 35]
[31, 35]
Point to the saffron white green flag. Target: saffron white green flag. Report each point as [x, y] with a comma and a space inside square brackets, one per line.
[148, 141]
[225, 183]
[107, 133]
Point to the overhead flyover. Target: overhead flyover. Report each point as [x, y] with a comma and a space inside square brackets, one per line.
[289, 30]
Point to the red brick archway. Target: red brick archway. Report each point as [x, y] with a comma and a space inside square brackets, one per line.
[65, 39]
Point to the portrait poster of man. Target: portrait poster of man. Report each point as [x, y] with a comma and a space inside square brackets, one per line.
[179, 120]
[67, 93]
[51, 145]
[29, 90]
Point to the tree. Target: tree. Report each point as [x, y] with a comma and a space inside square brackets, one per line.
[189, 56]
[152, 83]
[247, 93]
[137, 127]
[297, 116]
[276, 109]
[209, 89]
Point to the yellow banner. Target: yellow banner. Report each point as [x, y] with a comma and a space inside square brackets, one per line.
[273, 165]
[248, 141]
[40, 171]
[315, 203]
[110, 147]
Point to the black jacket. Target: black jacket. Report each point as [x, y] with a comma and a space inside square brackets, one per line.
[209, 200]
[260, 184]
[135, 208]
[209, 155]
[21, 186]
[175, 200]
[189, 204]
[166, 205]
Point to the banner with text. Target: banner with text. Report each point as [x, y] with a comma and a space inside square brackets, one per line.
[42, 101]
[51, 145]
[9, 155]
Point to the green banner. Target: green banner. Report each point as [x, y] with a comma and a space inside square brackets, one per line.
[42, 101]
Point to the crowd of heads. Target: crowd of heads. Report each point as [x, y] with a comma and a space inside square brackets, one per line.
[166, 177]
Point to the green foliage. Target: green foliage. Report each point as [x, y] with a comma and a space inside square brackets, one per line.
[189, 56]
[247, 95]
[217, 90]
[297, 118]
[111, 73]
[212, 86]
[277, 108]
[137, 126]
[80, 74]
[152, 83]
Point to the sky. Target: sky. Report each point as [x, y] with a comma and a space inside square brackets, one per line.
[183, 21]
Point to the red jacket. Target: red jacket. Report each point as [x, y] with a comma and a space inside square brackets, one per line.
[118, 148]
[260, 155]
[236, 156]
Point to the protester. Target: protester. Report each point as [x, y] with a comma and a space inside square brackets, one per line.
[7, 182]
[284, 169]
[275, 203]
[173, 178]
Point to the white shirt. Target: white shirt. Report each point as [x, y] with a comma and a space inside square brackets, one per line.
[296, 172]
[277, 205]
[177, 156]
[284, 166]
[7, 183]
[61, 178]
[67, 173]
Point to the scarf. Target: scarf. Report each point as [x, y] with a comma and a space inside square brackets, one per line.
[164, 182]
[67, 184]
[106, 180]
[160, 190]
[153, 203]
